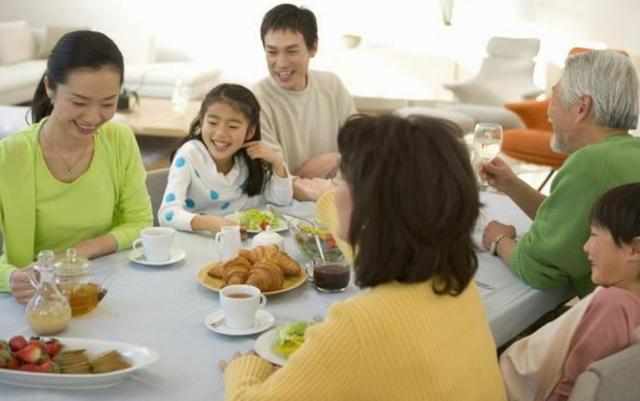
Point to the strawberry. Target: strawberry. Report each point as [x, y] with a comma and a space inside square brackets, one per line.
[48, 367]
[29, 367]
[13, 363]
[52, 347]
[263, 225]
[31, 353]
[17, 343]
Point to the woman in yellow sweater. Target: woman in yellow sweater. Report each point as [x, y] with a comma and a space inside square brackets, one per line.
[408, 202]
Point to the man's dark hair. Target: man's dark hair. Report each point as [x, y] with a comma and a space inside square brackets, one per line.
[415, 201]
[618, 211]
[291, 18]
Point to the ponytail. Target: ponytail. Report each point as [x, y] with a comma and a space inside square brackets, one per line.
[41, 104]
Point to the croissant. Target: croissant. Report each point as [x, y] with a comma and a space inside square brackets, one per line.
[249, 255]
[289, 266]
[217, 271]
[236, 271]
[266, 276]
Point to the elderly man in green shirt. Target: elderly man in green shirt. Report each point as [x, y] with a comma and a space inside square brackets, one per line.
[592, 108]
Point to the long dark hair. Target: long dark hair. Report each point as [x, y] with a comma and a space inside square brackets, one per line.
[415, 201]
[78, 49]
[243, 100]
[618, 211]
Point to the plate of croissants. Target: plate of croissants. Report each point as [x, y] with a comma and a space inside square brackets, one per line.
[265, 267]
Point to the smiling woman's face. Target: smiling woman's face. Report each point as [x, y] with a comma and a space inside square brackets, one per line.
[86, 101]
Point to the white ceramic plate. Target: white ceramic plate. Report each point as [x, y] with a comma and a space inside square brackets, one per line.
[264, 348]
[136, 355]
[236, 217]
[215, 322]
[137, 256]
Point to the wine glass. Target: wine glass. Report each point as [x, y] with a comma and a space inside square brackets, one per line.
[487, 138]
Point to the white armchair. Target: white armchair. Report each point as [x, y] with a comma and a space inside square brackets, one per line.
[506, 74]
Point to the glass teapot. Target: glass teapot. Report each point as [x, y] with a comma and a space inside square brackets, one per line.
[48, 312]
[76, 281]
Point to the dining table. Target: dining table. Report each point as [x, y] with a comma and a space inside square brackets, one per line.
[164, 308]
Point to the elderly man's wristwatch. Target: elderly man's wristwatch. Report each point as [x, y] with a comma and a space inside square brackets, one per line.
[496, 241]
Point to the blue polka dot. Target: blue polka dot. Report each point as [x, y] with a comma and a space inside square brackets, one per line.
[169, 198]
[225, 205]
[214, 195]
[169, 215]
[180, 162]
[189, 203]
[197, 174]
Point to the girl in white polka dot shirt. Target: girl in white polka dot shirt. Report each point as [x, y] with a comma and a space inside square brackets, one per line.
[223, 166]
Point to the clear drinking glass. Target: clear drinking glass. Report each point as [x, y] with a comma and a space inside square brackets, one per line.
[487, 139]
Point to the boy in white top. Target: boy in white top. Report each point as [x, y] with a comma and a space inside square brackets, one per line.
[302, 110]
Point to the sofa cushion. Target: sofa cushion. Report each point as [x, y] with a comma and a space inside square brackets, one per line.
[16, 42]
[52, 35]
[159, 79]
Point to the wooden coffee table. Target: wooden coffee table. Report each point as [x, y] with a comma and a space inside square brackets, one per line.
[156, 117]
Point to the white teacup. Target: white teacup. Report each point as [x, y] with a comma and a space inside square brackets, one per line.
[228, 241]
[156, 243]
[240, 303]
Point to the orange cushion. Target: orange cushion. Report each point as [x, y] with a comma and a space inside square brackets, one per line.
[533, 113]
[531, 146]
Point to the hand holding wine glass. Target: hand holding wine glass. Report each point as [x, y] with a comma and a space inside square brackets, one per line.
[487, 139]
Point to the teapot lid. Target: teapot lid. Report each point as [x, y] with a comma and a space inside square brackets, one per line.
[267, 237]
[72, 264]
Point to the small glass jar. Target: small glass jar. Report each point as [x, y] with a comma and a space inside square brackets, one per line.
[77, 283]
[48, 312]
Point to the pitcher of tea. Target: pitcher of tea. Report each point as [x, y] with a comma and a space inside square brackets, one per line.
[77, 283]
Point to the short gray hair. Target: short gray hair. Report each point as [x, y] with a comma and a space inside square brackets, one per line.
[611, 81]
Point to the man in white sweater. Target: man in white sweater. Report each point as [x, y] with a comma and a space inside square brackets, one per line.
[302, 110]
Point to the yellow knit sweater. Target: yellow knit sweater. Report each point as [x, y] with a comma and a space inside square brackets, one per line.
[396, 342]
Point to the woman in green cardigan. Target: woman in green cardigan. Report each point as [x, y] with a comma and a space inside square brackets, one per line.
[72, 178]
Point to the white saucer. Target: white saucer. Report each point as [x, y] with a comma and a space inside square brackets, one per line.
[137, 256]
[264, 348]
[215, 322]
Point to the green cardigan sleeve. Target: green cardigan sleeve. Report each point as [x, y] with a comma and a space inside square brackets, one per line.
[17, 194]
[133, 207]
[550, 254]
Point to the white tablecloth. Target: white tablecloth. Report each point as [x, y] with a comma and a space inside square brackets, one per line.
[164, 308]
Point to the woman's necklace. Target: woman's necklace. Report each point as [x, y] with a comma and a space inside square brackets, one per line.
[71, 167]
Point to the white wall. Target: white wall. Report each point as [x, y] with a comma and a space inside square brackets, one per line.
[227, 32]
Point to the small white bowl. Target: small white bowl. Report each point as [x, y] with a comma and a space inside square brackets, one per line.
[351, 41]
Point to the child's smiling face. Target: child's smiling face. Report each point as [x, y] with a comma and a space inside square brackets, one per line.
[224, 131]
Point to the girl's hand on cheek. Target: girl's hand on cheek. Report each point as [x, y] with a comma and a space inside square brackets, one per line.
[260, 150]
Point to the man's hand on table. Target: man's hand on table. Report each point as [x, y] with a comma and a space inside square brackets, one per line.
[495, 229]
[310, 189]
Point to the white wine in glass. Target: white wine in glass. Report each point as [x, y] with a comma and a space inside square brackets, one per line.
[487, 138]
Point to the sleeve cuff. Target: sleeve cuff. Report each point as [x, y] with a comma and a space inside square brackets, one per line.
[5, 278]
[245, 372]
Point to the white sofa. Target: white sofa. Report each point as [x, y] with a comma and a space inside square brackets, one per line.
[149, 70]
